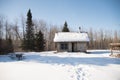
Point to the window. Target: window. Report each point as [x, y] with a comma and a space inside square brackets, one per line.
[64, 46]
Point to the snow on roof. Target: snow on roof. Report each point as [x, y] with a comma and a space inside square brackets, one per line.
[71, 37]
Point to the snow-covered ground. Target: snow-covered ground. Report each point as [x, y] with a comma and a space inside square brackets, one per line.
[97, 65]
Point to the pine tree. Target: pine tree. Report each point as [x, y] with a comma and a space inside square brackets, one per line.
[1, 46]
[28, 41]
[9, 45]
[65, 27]
[39, 41]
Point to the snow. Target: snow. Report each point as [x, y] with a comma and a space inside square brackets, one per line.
[49, 65]
[71, 37]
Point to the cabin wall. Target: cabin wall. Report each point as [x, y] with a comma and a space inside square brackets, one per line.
[63, 50]
[82, 46]
[77, 46]
[69, 47]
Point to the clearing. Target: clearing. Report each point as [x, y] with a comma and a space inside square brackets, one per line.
[97, 65]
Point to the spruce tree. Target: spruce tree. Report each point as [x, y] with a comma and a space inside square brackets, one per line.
[28, 41]
[65, 27]
[0, 45]
[10, 47]
[39, 41]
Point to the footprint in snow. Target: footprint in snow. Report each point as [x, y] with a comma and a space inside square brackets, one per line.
[81, 74]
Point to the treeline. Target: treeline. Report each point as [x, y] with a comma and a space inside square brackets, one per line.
[26, 35]
[101, 39]
[29, 34]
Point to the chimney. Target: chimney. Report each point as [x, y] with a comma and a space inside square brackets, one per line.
[80, 29]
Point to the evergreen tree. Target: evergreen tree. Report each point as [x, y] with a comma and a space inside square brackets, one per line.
[7, 46]
[1, 46]
[28, 41]
[65, 27]
[10, 47]
[23, 45]
[39, 41]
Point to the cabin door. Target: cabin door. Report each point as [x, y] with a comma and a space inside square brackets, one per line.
[73, 47]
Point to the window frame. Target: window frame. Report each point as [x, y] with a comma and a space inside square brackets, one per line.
[63, 46]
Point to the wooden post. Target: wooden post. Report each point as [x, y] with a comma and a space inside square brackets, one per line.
[111, 51]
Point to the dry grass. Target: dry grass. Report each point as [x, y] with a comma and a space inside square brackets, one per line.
[115, 55]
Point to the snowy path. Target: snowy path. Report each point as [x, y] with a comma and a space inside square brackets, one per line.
[62, 66]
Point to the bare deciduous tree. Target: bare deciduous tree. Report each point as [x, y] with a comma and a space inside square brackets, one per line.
[116, 37]
[23, 25]
[52, 31]
[91, 38]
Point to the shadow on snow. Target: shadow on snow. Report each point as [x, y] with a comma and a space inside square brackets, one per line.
[74, 60]
[101, 61]
[99, 52]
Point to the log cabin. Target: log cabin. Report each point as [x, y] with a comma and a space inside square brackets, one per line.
[71, 41]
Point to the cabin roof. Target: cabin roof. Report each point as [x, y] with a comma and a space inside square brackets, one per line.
[71, 37]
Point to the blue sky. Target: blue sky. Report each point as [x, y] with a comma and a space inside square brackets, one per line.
[96, 14]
